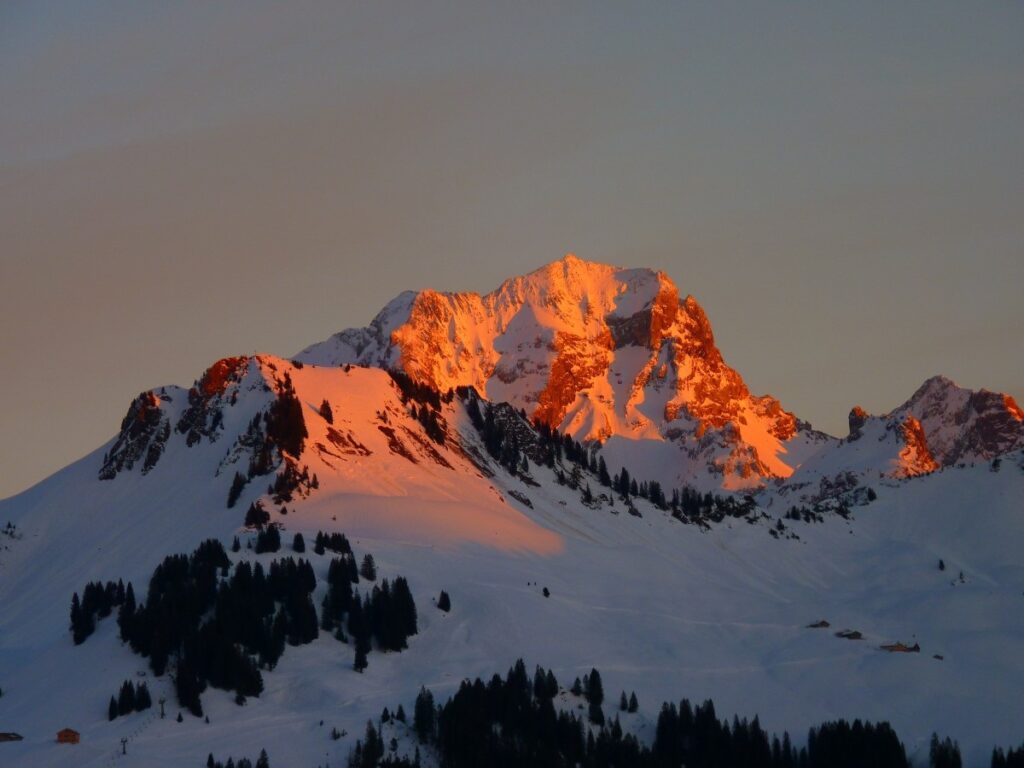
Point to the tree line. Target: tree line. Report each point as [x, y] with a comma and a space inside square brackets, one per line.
[514, 721]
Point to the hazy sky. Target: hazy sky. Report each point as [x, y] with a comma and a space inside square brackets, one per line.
[841, 185]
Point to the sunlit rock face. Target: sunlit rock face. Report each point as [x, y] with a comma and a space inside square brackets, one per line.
[963, 425]
[915, 457]
[597, 351]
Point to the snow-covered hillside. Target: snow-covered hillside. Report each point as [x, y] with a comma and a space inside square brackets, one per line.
[661, 600]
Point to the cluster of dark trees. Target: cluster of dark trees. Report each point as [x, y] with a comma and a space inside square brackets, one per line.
[1012, 758]
[369, 752]
[213, 627]
[944, 753]
[289, 480]
[514, 721]
[334, 542]
[804, 514]
[628, 705]
[285, 426]
[431, 423]
[386, 616]
[243, 762]
[268, 539]
[282, 427]
[219, 626]
[504, 432]
[691, 505]
[425, 404]
[131, 698]
[256, 516]
[98, 600]
[423, 394]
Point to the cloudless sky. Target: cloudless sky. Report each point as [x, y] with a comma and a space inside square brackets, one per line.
[841, 185]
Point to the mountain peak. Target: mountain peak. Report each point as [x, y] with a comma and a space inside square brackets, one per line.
[594, 350]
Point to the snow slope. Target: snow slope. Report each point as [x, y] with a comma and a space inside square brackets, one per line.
[661, 607]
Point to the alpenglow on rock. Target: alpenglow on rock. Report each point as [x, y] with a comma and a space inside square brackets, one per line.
[597, 351]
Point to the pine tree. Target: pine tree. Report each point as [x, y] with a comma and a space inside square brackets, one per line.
[126, 613]
[126, 699]
[623, 703]
[264, 761]
[142, 697]
[595, 690]
[326, 412]
[237, 486]
[112, 710]
[368, 569]
[444, 602]
[634, 705]
[423, 715]
[360, 662]
[298, 543]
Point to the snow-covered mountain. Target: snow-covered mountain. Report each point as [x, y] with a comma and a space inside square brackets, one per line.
[598, 352]
[939, 427]
[546, 556]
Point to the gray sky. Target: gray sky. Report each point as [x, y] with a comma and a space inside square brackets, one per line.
[841, 185]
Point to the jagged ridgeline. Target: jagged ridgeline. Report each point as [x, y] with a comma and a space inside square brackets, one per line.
[215, 623]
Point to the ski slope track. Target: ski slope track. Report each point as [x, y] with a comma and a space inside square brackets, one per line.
[849, 530]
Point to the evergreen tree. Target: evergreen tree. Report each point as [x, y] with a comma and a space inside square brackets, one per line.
[368, 569]
[298, 543]
[126, 699]
[142, 698]
[126, 613]
[623, 703]
[360, 662]
[423, 716]
[256, 516]
[112, 710]
[944, 754]
[634, 705]
[444, 602]
[595, 690]
[326, 412]
[237, 486]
